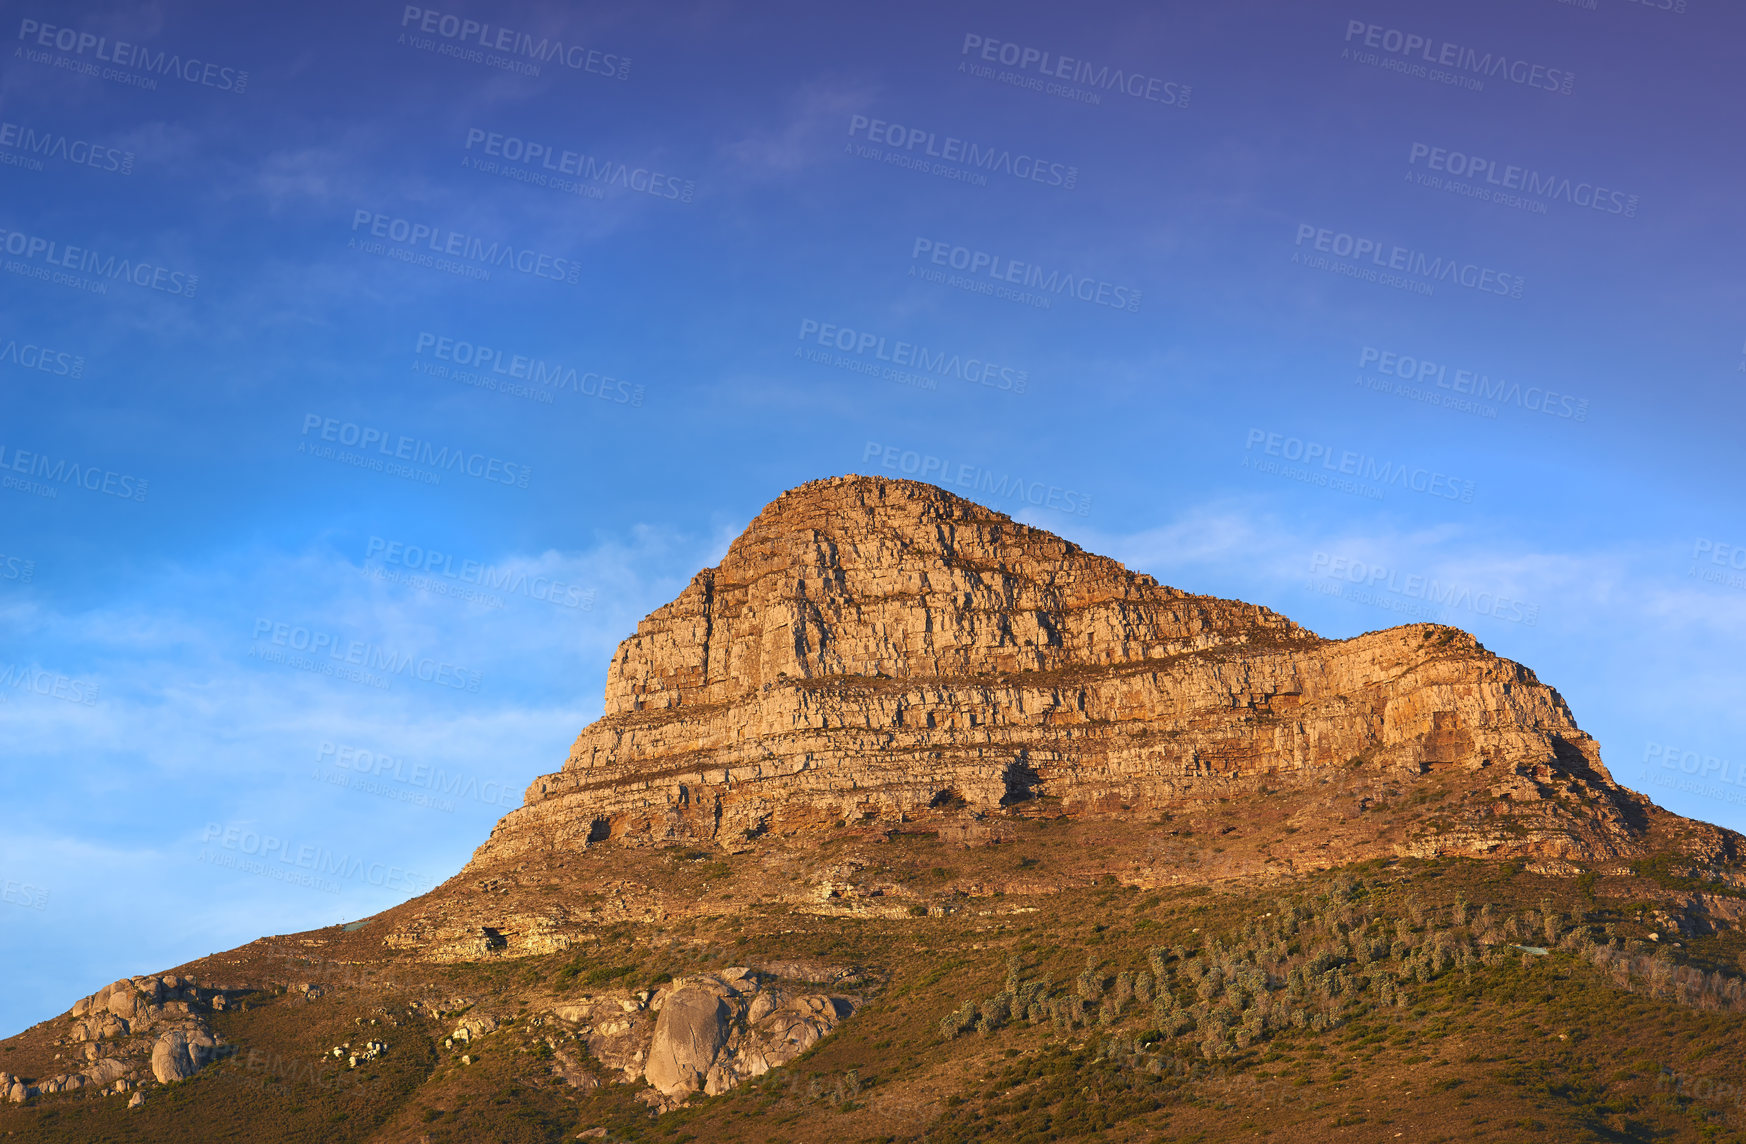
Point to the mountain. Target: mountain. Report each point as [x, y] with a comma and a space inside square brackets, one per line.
[868, 787]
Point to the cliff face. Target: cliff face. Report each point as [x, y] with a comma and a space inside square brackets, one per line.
[879, 650]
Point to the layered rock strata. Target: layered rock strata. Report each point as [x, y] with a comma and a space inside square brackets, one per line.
[875, 649]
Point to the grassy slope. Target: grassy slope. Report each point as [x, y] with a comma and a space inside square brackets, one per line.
[1485, 1043]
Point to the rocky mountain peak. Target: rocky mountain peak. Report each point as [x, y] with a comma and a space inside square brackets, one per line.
[882, 578]
[879, 651]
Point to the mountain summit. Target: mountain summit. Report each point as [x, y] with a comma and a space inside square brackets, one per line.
[885, 655]
[872, 650]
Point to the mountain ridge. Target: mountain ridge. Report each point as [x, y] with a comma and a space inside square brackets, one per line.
[965, 619]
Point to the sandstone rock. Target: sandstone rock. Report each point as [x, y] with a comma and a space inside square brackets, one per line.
[136, 1100]
[692, 1027]
[882, 649]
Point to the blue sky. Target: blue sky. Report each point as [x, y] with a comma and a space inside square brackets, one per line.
[1312, 305]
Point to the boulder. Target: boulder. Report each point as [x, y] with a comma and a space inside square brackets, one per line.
[692, 1028]
[762, 1006]
[98, 1026]
[104, 1072]
[125, 1001]
[574, 1012]
[179, 1053]
[474, 1025]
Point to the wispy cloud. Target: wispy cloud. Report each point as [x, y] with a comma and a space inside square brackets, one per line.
[192, 730]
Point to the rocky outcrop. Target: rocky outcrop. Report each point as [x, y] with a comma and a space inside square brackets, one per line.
[875, 650]
[716, 1031]
[134, 1029]
[106, 1075]
[704, 1033]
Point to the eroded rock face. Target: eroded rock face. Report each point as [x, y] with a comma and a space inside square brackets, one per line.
[871, 649]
